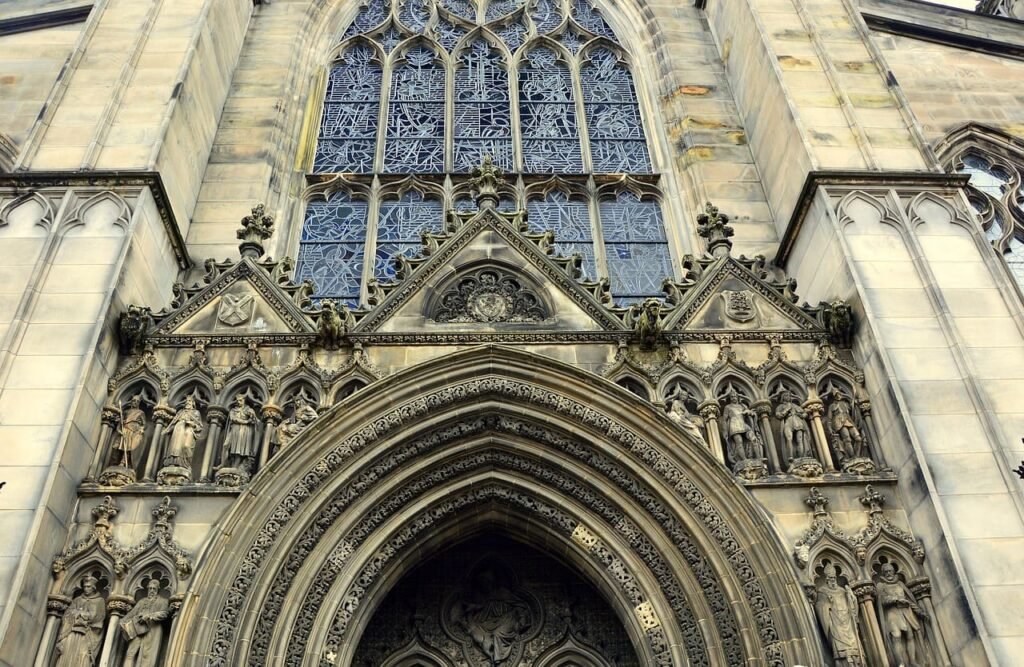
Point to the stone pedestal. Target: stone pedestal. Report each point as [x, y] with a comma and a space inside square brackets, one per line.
[232, 477]
[117, 476]
[174, 476]
[750, 469]
[860, 465]
[805, 466]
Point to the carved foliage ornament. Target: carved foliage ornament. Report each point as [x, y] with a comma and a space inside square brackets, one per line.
[490, 295]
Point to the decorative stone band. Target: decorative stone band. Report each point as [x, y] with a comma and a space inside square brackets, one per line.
[502, 388]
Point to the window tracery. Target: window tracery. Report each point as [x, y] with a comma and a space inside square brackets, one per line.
[430, 87]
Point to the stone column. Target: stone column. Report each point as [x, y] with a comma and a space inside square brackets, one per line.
[921, 587]
[871, 631]
[763, 409]
[815, 408]
[709, 411]
[272, 416]
[870, 437]
[110, 418]
[56, 605]
[162, 415]
[216, 416]
[117, 607]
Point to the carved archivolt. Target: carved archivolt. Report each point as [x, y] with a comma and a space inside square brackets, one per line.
[696, 508]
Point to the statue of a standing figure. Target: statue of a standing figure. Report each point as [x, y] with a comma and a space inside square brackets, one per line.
[81, 629]
[739, 430]
[304, 415]
[184, 430]
[133, 430]
[677, 412]
[794, 426]
[143, 628]
[837, 612]
[901, 616]
[240, 439]
[848, 440]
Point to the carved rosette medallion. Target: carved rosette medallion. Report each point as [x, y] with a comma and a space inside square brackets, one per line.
[489, 295]
[492, 616]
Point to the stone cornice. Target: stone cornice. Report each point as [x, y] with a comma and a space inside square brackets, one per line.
[34, 180]
[853, 180]
[954, 27]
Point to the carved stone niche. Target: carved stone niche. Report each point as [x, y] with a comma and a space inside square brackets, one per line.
[489, 295]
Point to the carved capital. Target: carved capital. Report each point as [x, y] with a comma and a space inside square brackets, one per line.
[864, 590]
[272, 414]
[921, 587]
[56, 605]
[762, 408]
[163, 414]
[120, 604]
[216, 415]
[709, 409]
[814, 407]
[110, 416]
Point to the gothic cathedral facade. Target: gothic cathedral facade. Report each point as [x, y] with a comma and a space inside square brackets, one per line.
[501, 333]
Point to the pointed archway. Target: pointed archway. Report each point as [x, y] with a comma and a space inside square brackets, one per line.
[491, 436]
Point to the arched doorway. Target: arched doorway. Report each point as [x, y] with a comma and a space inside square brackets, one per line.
[495, 439]
[494, 600]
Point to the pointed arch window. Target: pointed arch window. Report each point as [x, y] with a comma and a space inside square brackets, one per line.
[422, 90]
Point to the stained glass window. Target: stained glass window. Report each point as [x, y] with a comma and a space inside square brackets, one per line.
[636, 246]
[419, 92]
[332, 247]
[400, 225]
[483, 122]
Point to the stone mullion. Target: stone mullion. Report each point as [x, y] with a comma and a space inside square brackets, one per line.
[581, 114]
[709, 411]
[272, 416]
[109, 417]
[162, 415]
[448, 147]
[597, 229]
[217, 417]
[921, 587]
[382, 111]
[763, 409]
[370, 240]
[814, 408]
[518, 159]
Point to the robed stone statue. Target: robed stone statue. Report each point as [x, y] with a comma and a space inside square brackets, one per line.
[837, 612]
[240, 438]
[901, 618]
[133, 430]
[81, 628]
[184, 430]
[143, 628]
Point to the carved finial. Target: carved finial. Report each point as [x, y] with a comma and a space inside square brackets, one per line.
[163, 514]
[104, 513]
[817, 501]
[256, 228]
[872, 500]
[714, 226]
[485, 181]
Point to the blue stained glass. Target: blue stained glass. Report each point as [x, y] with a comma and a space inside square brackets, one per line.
[548, 115]
[332, 246]
[628, 218]
[399, 228]
[617, 141]
[585, 14]
[572, 39]
[498, 8]
[513, 34]
[348, 128]
[467, 205]
[447, 33]
[636, 246]
[569, 219]
[415, 125]
[463, 8]
[389, 38]
[372, 14]
[414, 13]
[483, 120]
[546, 15]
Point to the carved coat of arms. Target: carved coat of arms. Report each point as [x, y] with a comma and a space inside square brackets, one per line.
[739, 305]
[235, 310]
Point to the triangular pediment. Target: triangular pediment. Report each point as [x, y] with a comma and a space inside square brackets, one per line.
[729, 297]
[243, 300]
[488, 274]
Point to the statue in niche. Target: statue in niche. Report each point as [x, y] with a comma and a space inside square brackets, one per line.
[837, 612]
[901, 618]
[796, 436]
[304, 415]
[739, 431]
[846, 436]
[132, 431]
[184, 430]
[240, 438]
[677, 412]
[81, 629]
[143, 628]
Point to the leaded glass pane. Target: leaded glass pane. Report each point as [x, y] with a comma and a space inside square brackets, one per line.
[617, 140]
[984, 176]
[463, 8]
[370, 16]
[572, 39]
[587, 16]
[636, 246]
[332, 246]
[513, 34]
[483, 121]
[546, 15]
[628, 218]
[400, 224]
[348, 128]
[414, 13]
[569, 219]
[415, 126]
[548, 115]
[498, 8]
[389, 38]
[1014, 257]
[447, 33]
[466, 205]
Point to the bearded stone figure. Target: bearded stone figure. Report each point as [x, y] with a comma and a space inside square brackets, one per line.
[240, 440]
[184, 430]
[837, 612]
[901, 619]
[81, 629]
[143, 628]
